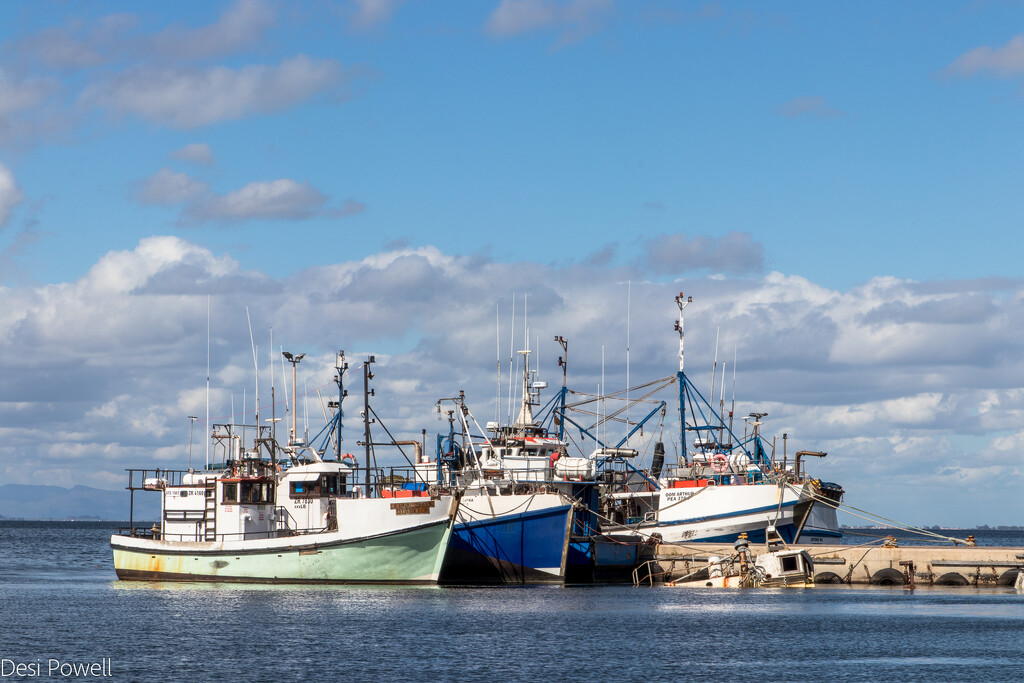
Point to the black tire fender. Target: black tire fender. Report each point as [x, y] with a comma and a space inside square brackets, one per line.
[887, 577]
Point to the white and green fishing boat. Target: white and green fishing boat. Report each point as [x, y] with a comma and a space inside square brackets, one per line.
[282, 514]
[305, 524]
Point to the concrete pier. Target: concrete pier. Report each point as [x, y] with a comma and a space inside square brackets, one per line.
[938, 565]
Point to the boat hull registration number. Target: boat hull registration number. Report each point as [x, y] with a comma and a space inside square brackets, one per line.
[677, 496]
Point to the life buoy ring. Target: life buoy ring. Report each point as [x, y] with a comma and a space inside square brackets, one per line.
[719, 463]
[350, 459]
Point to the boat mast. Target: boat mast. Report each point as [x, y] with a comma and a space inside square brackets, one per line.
[191, 424]
[563, 362]
[284, 383]
[525, 419]
[208, 379]
[497, 342]
[273, 402]
[714, 369]
[721, 407]
[511, 357]
[681, 303]
[341, 366]
[294, 360]
[732, 409]
[367, 376]
[629, 297]
[256, 367]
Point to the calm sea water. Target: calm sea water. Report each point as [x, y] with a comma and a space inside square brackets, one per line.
[59, 599]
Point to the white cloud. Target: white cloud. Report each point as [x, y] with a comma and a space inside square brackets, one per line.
[513, 17]
[158, 76]
[1012, 443]
[79, 44]
[83, 44]
[370, 13]
[350, 208]
[922, 409]
[29, 109]
[1006, 61]
[168, 188]
[573, 19]
[187, 98]
[10, 194]
[109, 409]
[242, 25]
[124, 271]
[23, 94]
[280, 199]
[888, 320]
[196, 153]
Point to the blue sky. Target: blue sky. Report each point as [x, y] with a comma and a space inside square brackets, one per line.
[838, 184]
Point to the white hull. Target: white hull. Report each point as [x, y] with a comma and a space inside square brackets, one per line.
[378, 540]
[714, 513]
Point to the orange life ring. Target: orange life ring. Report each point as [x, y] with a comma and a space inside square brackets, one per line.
[350, 459]
[719, 463]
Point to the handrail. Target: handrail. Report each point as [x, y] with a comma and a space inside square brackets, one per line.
[198, 537]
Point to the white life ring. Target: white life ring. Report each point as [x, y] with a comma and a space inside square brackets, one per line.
[719, 463]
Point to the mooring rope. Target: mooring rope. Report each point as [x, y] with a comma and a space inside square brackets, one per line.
[878, 518]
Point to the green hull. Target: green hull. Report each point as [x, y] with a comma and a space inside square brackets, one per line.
[410, 556]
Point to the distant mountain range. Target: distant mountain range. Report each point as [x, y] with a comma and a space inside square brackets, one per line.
[27, 501]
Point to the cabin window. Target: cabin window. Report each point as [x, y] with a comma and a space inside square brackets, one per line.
[305, 489]
[329, 485]
[230, 493]
[789, 564]
[326, 485]
[258, 492]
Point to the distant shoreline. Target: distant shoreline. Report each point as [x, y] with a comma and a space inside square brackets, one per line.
[75, 519]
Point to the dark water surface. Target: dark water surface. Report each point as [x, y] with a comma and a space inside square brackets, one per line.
[59, 599]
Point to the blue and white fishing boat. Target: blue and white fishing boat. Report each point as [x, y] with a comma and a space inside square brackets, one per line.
[720, 486]
[513, 525]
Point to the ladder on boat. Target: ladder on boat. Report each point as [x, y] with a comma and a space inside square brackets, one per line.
[210, 511]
